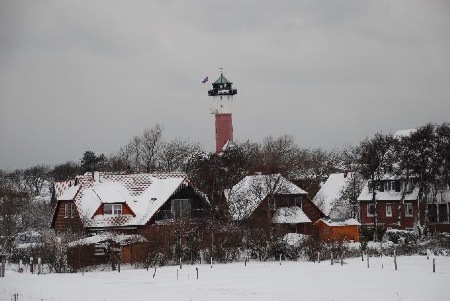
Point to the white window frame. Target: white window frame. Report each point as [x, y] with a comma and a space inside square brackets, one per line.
[389, 212]
[368, 211]
[68, 210]
[116, 209]
[409, 207]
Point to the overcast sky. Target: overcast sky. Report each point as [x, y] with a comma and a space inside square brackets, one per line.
[89, 75]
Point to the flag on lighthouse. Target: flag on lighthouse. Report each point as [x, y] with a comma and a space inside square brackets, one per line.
[205, 80]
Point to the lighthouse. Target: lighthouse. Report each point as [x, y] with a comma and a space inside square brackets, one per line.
[222, 94]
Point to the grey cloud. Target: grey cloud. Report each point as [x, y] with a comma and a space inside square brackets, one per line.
[78, 75]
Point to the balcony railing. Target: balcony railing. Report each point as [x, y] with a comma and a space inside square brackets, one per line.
[169, 214]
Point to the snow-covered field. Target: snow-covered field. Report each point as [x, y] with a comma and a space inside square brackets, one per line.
[414, 280]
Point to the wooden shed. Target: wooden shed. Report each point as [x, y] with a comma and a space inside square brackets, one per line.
[338, 230]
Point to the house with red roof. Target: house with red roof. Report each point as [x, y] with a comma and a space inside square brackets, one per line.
[126, 203]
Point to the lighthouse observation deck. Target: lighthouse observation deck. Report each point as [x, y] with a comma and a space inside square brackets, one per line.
[222, 86]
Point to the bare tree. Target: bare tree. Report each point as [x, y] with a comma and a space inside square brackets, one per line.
[13, 204]
[36, 177]
[151, 146]
[135, 149]
[178, 155]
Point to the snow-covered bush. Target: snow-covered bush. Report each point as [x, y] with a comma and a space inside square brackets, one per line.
[289, 246]
[400, 236]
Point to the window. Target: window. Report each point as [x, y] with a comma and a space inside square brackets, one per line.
[180, 208]
[378, 186]
[271, 204]
[388, 209]
[443, 212]
[370, 209]
[397, 186]
[68, 210]
[408, 209]
[112, 209]
[298, 201]
[286, 202]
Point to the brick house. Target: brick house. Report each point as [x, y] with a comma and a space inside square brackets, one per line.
[409, 214]
[272, 201]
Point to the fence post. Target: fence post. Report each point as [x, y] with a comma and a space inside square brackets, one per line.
[280, 259]
[368, 256]
[39, 266]
[318, 257]
[2, 271]
[211, 262]
[31, 265]
[181, 266]
[342, 259]
[395, 260]
[434, 265]
[197, 272]
[331, 258]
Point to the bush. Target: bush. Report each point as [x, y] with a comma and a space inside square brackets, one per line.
[400, 236]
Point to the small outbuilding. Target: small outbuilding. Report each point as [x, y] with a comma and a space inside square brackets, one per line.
[338, 230]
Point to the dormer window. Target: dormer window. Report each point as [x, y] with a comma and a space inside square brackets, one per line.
[112, 209]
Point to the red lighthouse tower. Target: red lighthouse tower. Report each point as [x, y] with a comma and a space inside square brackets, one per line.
[222, 93]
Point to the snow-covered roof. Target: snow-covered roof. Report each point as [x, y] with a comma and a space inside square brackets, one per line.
[61, 187]
[244, 197]
[68, 194]
[330, 191]
[387, 195]
[229, 145]
[290, 215]
[123, 239]
[144, 194]
[339, 223]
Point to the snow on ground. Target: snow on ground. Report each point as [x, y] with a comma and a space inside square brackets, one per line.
[414, 280]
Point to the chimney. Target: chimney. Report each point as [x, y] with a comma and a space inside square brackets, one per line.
[96, 176]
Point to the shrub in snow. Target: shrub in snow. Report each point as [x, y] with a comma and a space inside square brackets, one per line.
[438, 244]
[400, 236]
[310, 247]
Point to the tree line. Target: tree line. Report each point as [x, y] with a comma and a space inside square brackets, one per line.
[424, 154]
